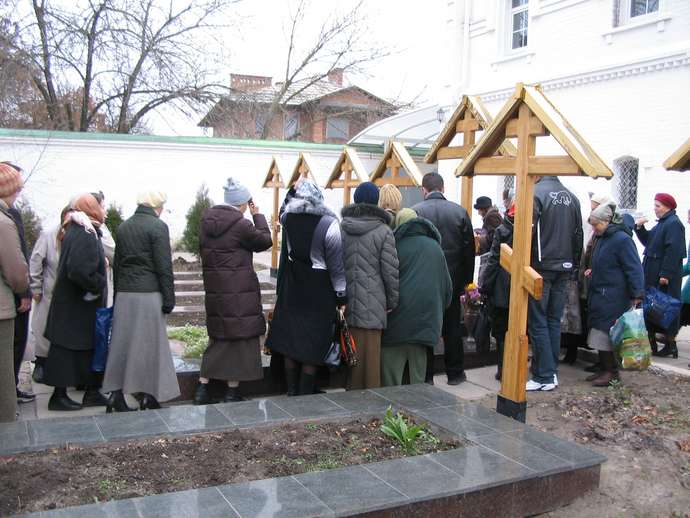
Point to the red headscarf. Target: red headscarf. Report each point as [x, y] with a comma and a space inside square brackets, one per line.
[90, 206]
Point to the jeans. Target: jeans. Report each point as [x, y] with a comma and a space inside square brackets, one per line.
[544, 325]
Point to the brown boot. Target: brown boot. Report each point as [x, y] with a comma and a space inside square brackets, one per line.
[598, 372]
[610, 372]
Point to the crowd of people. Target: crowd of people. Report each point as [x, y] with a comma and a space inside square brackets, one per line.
[395, 274]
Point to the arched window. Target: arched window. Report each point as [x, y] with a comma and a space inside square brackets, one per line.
[625, 172]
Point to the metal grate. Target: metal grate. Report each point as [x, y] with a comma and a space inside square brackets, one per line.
[626, 169]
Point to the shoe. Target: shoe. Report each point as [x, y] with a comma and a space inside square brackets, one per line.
[38, 374]
[92, 397]
[25, 397]
[292, 379]
[201, 396]
[306, 384]
[117, 403]
[456, 380]
[653, 344]
[148, 402]
[604, 379]
[232, 395]
[61, 402]
[569, 358]
[555, 379]
[595, 367]
[670, 349]
[534, 386]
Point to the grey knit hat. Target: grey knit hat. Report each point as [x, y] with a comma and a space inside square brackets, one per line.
[602, 213]
[235, 193]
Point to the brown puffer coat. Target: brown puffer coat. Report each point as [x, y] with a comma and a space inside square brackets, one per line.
[233, 296]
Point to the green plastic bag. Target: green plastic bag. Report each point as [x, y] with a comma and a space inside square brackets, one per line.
[630, 341]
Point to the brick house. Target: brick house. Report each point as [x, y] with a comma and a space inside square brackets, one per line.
[327, 111]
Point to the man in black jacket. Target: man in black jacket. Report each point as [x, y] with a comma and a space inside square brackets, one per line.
[457, 241]
[556, 251]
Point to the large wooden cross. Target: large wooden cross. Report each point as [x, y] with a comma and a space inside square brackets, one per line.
[403, 170]
[468, 118]
[303, 168]
[526, 116]
[348, 172]
[274, 180]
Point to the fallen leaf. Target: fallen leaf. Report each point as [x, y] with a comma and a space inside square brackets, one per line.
[683, 446]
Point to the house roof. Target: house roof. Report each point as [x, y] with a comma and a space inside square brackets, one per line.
[586, 161]
[279, 168]
[360, 172]
[305, 163]
[680, 159]
[396, 150]
[479, 112]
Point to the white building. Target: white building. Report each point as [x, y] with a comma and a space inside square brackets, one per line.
[619, 70]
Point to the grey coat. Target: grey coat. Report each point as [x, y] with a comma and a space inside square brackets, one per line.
[371, 265]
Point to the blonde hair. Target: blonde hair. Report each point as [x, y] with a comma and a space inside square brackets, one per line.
[390, 197]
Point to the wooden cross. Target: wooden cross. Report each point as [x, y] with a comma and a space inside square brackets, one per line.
[348, 172]
[274, 180]
[680, 159]
[468, 118]
[526, 116]
[404, 171]
[302, 169]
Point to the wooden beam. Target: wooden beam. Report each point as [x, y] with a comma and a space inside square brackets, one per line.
[470, 124]
[448, 153]
[495, 165]
[398, 181]
[556, 165]
[467, 186]
[536, 128]
[274, 228]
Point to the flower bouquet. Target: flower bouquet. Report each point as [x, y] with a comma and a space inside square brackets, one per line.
[471, 301]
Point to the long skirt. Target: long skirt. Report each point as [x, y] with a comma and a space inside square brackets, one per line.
[8, 395]
[39, 316]
[599, 340]
[67, 367]
[232, 360]
[139, 359]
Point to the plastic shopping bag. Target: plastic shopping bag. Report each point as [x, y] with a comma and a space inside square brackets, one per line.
[630, 341]
[101, 339]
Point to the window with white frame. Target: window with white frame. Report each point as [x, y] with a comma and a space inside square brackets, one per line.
[337, 128]
[518, 24]
[625, 11]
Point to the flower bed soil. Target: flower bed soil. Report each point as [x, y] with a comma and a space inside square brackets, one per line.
[71, 476]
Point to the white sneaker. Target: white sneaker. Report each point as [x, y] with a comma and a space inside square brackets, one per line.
[534, 386]
[555, 379]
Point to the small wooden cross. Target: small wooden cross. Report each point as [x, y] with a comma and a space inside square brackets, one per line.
[348, 172]
[404, 171]
[526, 116]
[274, 180]
[303, 168]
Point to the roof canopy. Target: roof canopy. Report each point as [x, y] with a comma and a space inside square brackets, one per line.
[303, 168]
[348, 159]
[680, 159]
[580, 160]
[470, 115]
[274, 177]
[394, 159]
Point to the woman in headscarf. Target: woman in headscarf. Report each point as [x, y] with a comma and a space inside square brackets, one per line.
[80, 289]
[43, 267]
[311, 286]
[139, 360]
[663, 263]
[234, 315]
[616, 283]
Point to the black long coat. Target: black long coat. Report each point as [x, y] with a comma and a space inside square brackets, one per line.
[233, 295]
[71, 318]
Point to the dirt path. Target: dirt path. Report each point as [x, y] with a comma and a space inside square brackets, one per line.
[642, 426]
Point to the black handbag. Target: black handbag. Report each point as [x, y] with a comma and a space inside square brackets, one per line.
[482, 331]
[332, 359]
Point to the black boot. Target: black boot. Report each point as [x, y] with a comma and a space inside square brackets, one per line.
[600, 367]
[92, 397]
[653, 344]
[670, 349]
[232, 395]
[148, 402]
[306, 384]
[39, 370]
[499, 350]
[117, 403]
[61, 402]
[201, 396]
[292, 378]
[595, 367]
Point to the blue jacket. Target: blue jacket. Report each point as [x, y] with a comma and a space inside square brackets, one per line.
[617, 277]
[685, 295]
[664, 252]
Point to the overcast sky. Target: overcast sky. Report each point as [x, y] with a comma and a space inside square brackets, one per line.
[413, 30]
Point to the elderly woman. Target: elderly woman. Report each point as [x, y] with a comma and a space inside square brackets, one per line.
[139, 360]
[390, 200]
[425, 293]
[311, 286]
[616, 283]
[663, 262]
[14, 280]
[234, 315]
[80, 289]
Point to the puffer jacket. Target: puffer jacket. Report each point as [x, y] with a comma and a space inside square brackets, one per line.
[143, 261]
[14, 272]
[371, 265]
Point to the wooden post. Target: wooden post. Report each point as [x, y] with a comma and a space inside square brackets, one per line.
[347, 170]
[275, 224]
[469, 127]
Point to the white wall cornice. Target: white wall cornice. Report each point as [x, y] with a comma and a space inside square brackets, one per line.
[675, 59]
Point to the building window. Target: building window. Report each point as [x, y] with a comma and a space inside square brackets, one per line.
[625, 10]
[290, 126]
[640, 7]
[337, 128]
[625, 171]
[260, 123]
[519, 20]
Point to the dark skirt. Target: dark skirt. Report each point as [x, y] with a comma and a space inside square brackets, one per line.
[69, 368]
[499, 323]
[232, 360]
[685, 315]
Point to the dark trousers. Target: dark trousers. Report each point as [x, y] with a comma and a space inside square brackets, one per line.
[452, 339]
[21, 335]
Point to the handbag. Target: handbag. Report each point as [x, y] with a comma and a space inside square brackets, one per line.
[332, 359]
[660, 309]
[101, 338]
[348, 347]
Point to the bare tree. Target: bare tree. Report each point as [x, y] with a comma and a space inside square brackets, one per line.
[117, 59]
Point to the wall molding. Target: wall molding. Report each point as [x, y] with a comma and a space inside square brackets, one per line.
[640, 67]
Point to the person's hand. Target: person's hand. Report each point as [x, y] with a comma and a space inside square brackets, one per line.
[342, 308]
[24, 305]
[636, 302]
[37, 297]
[253, 209]
[641, 221]
[588, 272]
[663, 281]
